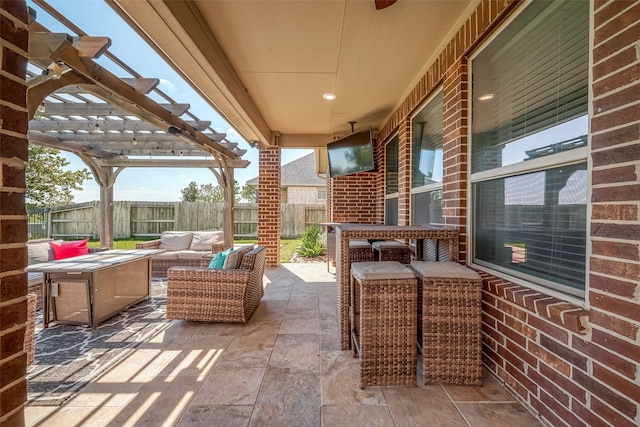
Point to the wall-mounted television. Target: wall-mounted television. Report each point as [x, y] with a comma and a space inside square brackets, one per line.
[351, 154]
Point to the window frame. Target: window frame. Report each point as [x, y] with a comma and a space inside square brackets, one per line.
[566, 158]
[427, 188]
[396, 195]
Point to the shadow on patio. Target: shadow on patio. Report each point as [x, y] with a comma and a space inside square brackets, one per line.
[283, 368]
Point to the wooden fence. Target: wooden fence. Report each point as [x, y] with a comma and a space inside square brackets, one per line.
[149, 219]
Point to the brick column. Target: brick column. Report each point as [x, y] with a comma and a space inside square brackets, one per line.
[353, 198]
[404, 173]
[454, 180]
[269, 210]
[14, 40]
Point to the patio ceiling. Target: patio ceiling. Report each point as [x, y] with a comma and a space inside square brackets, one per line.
[264, 65]
[78, 106]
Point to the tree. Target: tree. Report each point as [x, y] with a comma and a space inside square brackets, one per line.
[207, 192]
[249, 194]
[48, 183]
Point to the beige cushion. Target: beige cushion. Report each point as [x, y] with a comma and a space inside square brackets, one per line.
[166, 255]
[188, 254]
[204, 240]
[175, 240]
[40, 251]
[445, 270]
[388, 244]
[359, 244]
[381, 270]
[234, 259]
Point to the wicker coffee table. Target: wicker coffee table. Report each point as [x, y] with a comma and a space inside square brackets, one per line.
[383, 322]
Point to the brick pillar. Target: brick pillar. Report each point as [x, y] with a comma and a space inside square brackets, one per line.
[454, 180]
[14, 40]
[404, 173]
[269, 210]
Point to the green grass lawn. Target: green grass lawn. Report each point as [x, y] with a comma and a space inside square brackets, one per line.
[287, 246]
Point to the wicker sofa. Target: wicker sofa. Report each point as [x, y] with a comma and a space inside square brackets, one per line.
[218, 295]
[184, 249]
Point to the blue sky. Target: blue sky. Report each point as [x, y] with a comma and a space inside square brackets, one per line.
[96, 18]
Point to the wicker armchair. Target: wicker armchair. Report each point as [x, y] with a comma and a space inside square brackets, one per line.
[217, 295]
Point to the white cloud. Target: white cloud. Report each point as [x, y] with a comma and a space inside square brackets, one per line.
[168, 84]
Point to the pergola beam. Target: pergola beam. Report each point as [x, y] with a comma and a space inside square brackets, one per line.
[106, 109]
[126, 97]
[74, 147]
[170, 163]
[110, 125]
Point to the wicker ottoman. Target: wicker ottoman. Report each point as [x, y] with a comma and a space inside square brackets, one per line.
[391, 250]
[450, 322]
[384, 299]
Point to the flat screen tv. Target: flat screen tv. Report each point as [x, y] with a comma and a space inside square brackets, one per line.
[351, 154]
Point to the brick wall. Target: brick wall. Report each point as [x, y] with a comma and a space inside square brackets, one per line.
[404, 173]
[353, 198]
[303, 195]
[269, 203]
[570, 365]
[13, 225]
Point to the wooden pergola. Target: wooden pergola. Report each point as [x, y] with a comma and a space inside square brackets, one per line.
[112, 123]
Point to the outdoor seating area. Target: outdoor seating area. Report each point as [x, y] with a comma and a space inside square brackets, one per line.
[184, 249]
[285, 366]
[229, 294]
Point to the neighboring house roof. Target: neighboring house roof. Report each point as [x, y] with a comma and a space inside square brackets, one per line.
[298, 173]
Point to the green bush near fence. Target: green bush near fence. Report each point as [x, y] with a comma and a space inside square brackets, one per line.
[287, 246]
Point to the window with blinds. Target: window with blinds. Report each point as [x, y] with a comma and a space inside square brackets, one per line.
[528, 147]
[426, 163]
[532, 78]
[391, 182]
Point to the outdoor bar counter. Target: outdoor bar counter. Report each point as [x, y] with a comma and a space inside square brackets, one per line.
[431, 244]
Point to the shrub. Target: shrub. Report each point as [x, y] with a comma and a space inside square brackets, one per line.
[312, 244]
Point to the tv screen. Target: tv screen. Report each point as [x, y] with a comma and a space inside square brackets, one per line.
[351, 154]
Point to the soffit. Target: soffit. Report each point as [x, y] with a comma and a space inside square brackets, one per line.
[265, 64]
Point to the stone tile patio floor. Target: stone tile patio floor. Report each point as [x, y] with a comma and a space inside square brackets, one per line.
[283, 368]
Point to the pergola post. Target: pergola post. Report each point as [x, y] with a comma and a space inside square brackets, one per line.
[227, 209]
[106, 209]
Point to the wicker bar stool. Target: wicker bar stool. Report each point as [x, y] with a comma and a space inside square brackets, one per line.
[391, 250]
[449, 322]
[383, 322]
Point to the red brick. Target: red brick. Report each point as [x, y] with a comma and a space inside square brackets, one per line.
[613, 417]
[13, 397]
[619, 326]
[616, 249]
[627, 153]
[628, 270]
[564, 352]
[628, 309]
[560, 410]
[612, 286]
[546, 412]
[614, 175]
[511, 309]
[549, 358]
[13, 369]
[587, 415]
[564, 382]
[522, 355]
[612, 9]
[616, 231]
[628, 37]
[616, 345]
[610, 83]
[493, 312]
[624, 386]
[614, 212]
[522, 379]
[14, 92]
[606, 357]
[605, 393]
[615, 137]
[13, 287]
[551, 388]
[614, 63]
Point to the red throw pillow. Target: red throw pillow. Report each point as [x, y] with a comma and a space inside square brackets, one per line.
[69, 249]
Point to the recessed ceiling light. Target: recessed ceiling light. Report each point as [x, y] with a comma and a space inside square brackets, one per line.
[486, 97]
[329, 96]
